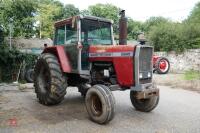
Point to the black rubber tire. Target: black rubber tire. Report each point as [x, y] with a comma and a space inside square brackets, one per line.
[29, 75]
[144, 105]
[158, 68]
[100, 104]
[49, 81]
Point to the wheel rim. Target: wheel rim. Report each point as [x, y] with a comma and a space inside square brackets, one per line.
[44, 80]
[96, 105]
[163, 65]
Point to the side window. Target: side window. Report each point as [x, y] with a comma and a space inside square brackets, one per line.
[60, 36]
[71, 35]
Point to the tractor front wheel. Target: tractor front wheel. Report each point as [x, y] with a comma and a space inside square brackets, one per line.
[49, 81]
[144, 105]
[100, 104]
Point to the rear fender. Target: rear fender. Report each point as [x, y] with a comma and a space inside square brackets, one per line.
[59, 52]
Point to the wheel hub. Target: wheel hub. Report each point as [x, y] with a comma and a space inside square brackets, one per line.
[163, 65]
[96, 105]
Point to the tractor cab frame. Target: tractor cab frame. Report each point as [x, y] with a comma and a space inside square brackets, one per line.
[76, 34]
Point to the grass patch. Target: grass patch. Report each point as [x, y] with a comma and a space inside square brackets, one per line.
[192, 75]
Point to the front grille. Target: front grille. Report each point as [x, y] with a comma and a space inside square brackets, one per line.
[145, 64]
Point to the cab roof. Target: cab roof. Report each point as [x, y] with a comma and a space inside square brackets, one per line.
[69, 20]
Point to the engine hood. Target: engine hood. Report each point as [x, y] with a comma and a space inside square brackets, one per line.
[111, 51]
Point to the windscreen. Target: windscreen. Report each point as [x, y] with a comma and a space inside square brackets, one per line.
[95, 32]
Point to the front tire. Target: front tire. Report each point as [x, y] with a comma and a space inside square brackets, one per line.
[144, 105]
[49, 81]
[100, 104]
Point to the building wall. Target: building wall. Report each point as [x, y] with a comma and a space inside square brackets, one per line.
[22, 43]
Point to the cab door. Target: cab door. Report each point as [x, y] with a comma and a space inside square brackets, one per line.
[67, 36]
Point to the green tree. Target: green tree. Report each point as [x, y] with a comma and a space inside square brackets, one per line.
[108, 11]
[167, 37]
[48, 12]
[194, 16]
[22, 13]
[134, 28]
[154, 21]
[70, 10]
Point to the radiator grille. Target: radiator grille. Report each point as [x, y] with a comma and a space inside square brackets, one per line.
[145, 64]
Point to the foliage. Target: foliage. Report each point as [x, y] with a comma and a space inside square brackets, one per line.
[195, 15]
[154, 21]
[192, 75]
[70, 10]
[108, 11]
[10, 61]
[134, 28]
[166, 37]
[20, 13]
[1, 35]
[50, 11]
[37, 17]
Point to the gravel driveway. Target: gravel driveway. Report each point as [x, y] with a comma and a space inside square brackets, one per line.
[177, 112]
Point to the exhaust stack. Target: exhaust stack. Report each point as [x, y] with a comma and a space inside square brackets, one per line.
[122, 28]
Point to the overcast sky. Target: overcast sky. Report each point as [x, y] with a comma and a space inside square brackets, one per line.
[176, 10]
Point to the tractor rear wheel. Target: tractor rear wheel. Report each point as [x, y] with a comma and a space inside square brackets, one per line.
[100, 104]
[49, 81]
[144, 105]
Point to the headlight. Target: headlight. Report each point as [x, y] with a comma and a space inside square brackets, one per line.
[149, 75]
[140, 75]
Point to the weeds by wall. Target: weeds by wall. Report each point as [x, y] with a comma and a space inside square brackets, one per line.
[10, 62]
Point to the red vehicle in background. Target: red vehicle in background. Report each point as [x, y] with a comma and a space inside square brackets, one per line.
[161, 65]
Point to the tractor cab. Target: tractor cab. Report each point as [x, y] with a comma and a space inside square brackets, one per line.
[77, 33]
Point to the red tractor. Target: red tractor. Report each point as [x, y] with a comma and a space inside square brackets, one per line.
[84, 55]
[161, 65]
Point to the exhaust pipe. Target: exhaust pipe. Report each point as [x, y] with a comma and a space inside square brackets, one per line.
[122, 28]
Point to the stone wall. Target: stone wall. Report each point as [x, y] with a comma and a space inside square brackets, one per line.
[189, 60]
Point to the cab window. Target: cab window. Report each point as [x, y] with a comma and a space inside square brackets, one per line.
[71, 35]
[66, 35]
[60, 36]
[95, 32]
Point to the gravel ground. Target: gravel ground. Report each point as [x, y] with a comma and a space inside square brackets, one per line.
[177, 81]
[177, 112]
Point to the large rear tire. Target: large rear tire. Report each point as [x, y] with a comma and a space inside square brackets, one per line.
[49, 81]
[100, 104]
[144, 105]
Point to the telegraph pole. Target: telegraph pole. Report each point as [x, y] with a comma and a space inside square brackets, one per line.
[10, 28]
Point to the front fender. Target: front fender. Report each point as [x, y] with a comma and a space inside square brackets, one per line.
[60, 53]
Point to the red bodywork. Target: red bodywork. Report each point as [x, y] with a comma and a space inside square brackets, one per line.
[155, 58]
[124, 66]
[59, 51]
